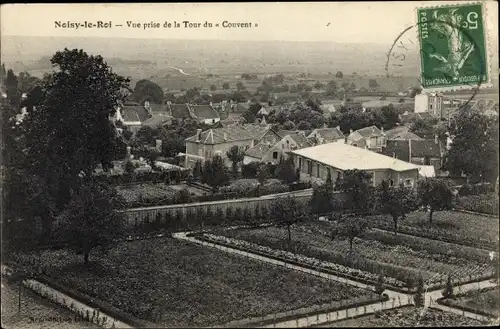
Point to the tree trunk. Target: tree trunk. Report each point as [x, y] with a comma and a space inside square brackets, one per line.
[350, 243]
[395, 221]
[86, 256]
[430, 216]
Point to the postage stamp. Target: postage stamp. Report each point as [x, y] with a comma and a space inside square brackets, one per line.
[453, 46]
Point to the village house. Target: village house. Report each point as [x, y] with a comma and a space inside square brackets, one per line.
[132, 115]
[425, 152]
[204, 114]
[317, 161]
[211, 142]
[326, 135]
[371, 138]
[272, 153]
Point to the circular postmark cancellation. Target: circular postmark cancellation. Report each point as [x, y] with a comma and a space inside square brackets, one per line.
[451, 45]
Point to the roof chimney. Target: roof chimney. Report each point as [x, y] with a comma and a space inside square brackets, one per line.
[198, 135]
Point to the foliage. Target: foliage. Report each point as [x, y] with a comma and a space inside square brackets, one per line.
[214, 173]
[397, 201]
[235, 155]
[146, 90]
[198, 170]
[474, 147]
[250, 170]
[373, 84]
[357, 186]
[425, 128]
[435, 194]
[379, 286]
[263, 173]
[419, 294]
[339, 74]
[350, 227]
[225, 85]
[286, 212]
[93, 218]
[487, 204]
[448, 290]
[285, 171]
[322, 198]
[67, 130]
[389, 117]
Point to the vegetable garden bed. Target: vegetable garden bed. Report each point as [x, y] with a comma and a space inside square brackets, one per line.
[181, 284]
[400, 258]
[485, 301]
[408, 316]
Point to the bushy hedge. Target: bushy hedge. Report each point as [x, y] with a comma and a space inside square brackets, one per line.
[475, 189]
[487, 203]
[172, 176]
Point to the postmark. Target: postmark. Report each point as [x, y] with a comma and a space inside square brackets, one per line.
[453, 47]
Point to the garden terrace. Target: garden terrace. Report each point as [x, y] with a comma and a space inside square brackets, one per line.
[450, 226]
[487, 203]
[408, 316]
[189, 285]
[399, 257]
[485, 301]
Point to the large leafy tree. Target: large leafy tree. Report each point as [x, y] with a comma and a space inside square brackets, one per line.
[435, 194]
[235, 155]
[68, 130]
[474, 147]
[285, 170]
[146, 90]
[357, 186]
[397, 201]
[322, 197]
[93, 217]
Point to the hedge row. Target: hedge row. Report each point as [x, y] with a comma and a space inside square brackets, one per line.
[172, 176]
[487, 203]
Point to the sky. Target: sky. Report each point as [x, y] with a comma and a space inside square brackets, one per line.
[355, 22]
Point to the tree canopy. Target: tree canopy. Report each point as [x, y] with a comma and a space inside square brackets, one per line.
[146, 90]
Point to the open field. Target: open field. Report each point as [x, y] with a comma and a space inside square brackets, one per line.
[36, 312]
[190, 285]
[399, 257]
[407, 317]
[484, 300]
[457, 225]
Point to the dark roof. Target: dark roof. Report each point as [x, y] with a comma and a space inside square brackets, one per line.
[369, 131]
[258, 151]
[400, 133]
[257, 131]
[216, 136]
[330, 134]
[157, 120]
[180, 111]
[240, 107]
[134, 113]
[204, 112]
[301, 140]
[158, 108]
[425, 148]
[282, 133]
[419, 148]
[312, 140]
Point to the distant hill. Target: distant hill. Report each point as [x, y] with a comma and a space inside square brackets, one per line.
[205, 56]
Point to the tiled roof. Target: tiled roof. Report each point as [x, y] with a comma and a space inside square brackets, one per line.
[348, 157]
[367, 132]
[258, 151]
[157, 120]
[158, 108]
[216, 136]
[282, 133]
[419, 148]
[330, 134]
[240, 107]
[180, 111]
[204, 112]
[400, 133]
[256, 131]
[301, 140]
[134, 113]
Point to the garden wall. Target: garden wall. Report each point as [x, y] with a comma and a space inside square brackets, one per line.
[136, 216]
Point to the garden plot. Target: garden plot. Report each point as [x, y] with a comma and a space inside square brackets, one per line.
[180, 284]
[452, 226]
[484, 301]
[398, 257]
[408, 317]
[144, 192]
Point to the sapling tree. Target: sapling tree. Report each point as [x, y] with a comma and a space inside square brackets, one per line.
[350, 227]
[287, 211]
[435, 194]
[448, 289]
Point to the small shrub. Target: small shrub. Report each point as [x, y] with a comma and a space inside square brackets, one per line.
[448, 289]
[419, 294]
[379, 286]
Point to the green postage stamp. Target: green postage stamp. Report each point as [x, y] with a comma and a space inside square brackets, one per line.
[453, 47]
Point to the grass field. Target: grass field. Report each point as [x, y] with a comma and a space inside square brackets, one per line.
[407, 317]
[36, 312]
[399, 257]
[146, 191]
[190, 285]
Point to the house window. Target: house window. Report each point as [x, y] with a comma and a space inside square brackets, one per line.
[300, 162]
[354, 144]
[391, 182]
[430, 106]
[408, 182]
[309, 167]
[200, 152]
[213, 120]
[317, 170]
[275, 155]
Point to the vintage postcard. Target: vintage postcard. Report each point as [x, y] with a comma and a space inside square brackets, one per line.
[195, 165]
